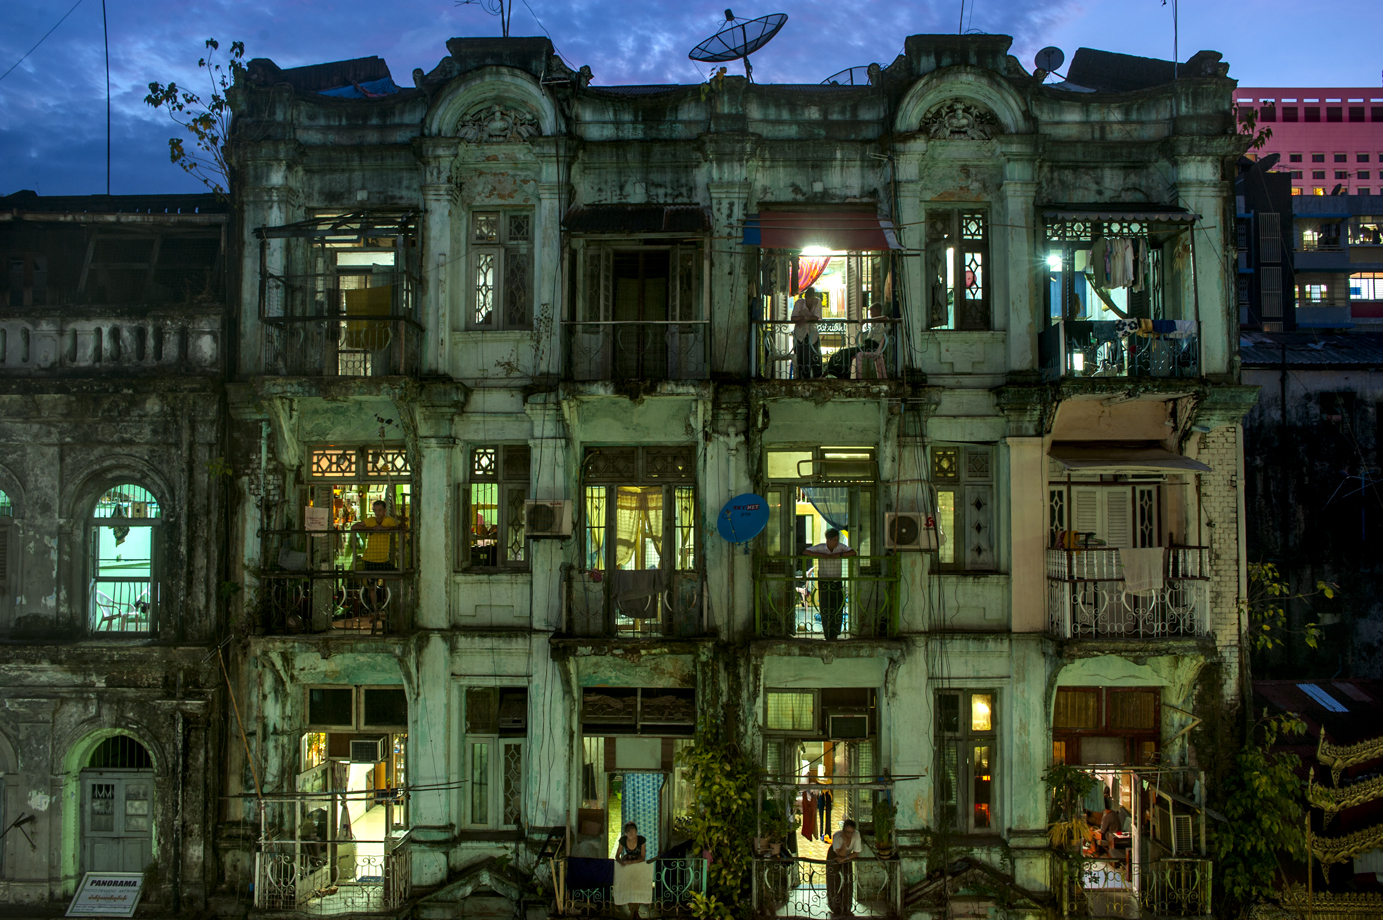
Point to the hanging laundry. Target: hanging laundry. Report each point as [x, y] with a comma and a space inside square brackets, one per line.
[1125, 327]
[1099, 262]
[1140, 263]
[1182, 328]
[1145, 327]
[1163, 326]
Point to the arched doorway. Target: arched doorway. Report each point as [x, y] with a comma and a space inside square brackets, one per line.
[117, 820]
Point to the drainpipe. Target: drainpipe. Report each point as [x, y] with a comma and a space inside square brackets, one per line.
[179, 769]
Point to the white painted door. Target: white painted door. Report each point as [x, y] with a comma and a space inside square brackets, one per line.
[117, 820]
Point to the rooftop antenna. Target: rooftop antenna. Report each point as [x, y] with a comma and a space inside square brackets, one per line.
[504, 9]
[1176, 55]
[738, 39]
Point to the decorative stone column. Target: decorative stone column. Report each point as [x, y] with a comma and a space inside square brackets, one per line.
[1024, 301]
[438, 292]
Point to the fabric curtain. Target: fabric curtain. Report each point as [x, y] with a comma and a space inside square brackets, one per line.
[639, 525]
[809, 271]
[832, 503]
[641, 802]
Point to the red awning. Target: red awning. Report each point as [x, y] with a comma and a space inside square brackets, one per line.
[834, 231]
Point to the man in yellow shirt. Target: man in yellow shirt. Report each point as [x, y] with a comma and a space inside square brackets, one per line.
[379, 546]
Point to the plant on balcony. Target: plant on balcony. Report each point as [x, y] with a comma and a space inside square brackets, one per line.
[776, 825]
[1261, 801]
[885, 823]
[1069, 833]
[724, 782]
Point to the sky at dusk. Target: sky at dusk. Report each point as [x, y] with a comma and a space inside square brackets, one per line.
[52, 106]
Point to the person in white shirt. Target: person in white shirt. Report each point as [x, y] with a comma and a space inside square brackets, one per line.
[806, 340]
[840, 870]
[830, 590]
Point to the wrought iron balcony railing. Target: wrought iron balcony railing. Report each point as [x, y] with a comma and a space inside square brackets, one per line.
[661, 350]
[1081, 348]
[636, 604]
[793, 599]
[333, 877]
[1115, 887]
[1089, 598]
[321, 580]
[338, 346]
[854, 349]
[792, 886]
[584, 886]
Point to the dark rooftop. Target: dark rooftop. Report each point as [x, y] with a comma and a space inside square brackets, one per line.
[1350, 711]
[318, 78]
[1111, 72]
[28, 200]
[1356, 349]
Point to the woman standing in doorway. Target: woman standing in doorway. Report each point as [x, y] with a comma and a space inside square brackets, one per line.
[633, 874]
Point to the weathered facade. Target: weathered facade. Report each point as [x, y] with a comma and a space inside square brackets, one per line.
[112, 362]
[509, 344]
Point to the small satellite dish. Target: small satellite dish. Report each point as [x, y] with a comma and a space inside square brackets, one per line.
[851, 76]
[738, 40]
[742, 518]
[1049, 59]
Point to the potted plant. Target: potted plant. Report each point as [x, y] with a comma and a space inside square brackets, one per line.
[776, 825]
[885, 818]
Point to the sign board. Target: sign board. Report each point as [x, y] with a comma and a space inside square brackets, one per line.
[742, 518]
[107, 894]
[316, 518]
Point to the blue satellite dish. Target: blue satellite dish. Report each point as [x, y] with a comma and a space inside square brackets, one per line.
[743, 518]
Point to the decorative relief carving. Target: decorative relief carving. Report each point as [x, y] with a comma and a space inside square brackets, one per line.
[957, 120]
[497, 125]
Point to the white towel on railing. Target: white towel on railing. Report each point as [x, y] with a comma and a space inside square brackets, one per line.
[633, 883]
[1143, 569]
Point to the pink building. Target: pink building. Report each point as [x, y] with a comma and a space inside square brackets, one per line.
[1327, 136]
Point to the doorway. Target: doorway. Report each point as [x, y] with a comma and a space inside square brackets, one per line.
[117, 807]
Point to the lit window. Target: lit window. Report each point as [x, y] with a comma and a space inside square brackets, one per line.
[963, 477]
[967, 761]
[957, 268]
[493, 508]
[123, 592]
[791, 711]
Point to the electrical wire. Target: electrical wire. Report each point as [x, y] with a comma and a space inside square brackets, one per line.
[41, 40]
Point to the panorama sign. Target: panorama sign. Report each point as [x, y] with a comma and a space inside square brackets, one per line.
[107, 894]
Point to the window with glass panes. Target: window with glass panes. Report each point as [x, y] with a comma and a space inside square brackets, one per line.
[1104, 514]
[492, 508]
[812, 489]
[344, 483]
[493, 755]
[958, 270]
[963, 477]
[1071, 292]
[829, 733]
[967, 760]
[639, 520]
[123, 588]
[501, 264]
[1106, 725]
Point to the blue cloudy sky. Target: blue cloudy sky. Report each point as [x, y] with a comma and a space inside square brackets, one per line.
[52, 106]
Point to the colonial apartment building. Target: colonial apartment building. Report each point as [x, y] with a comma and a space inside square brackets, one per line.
[510, 356]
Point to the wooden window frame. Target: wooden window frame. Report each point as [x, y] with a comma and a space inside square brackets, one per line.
[504, 486]
[967, 482]
[965, 739]
[505, 249]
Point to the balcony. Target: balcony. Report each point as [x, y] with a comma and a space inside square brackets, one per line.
[321, 581]
[850, 350]
[636, 604]
[1088, 348]
[337, 346]
[583, 886]
[183, 342]
[333, 877]
[800, 887]
[1166, 887]
[789, 596]
[1088, 597]
[662, 350]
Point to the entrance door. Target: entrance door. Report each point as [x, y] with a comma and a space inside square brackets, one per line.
[117, 820]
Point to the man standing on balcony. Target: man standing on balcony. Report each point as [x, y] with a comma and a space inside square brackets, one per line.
[379, 549]
[806, 340]
[830, 590]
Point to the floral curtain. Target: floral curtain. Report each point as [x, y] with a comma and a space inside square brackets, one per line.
[809, 271]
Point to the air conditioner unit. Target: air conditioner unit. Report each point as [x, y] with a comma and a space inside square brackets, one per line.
[547, 518]
[910, 530]
[1175, 831]
[847, 726]
[368, 750]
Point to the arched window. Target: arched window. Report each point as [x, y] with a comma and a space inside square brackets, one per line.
[124, 556]
[6, 542]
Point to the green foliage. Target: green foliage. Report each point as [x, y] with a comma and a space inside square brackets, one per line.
[776, 821]
[217, 466]
[1266, 607]
[1261, 798]
[1247, 120]
[709, 907]
[724, 783]
[714, 84]
[207, 121]
[885, 820]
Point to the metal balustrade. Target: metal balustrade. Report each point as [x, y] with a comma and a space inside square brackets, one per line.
[318, 580]
[1098, 348]
[334, 346]
[334, 877]
[1167, 887]
[850, 349]
[792, 886]
[646, 350]
[793, 601]
[580, 888]
[1087, 597]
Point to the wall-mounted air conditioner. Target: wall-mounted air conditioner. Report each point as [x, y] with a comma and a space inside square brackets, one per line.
[1175, 831]
[910, 530]
[847, 726]
[547, 518]
[368, 750]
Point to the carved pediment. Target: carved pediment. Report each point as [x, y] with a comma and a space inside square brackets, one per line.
[497, 124]
[959, 120]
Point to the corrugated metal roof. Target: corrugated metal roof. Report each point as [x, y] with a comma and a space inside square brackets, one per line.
[1265, 349]
[1360, 720]
[637, 218]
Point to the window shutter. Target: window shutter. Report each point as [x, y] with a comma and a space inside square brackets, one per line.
[852, 288]
[1086, 511]
[979, 527]
[482, 711]
[1118, 529]
[1269, 239]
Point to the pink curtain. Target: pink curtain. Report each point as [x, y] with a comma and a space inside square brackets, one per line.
[808, 271]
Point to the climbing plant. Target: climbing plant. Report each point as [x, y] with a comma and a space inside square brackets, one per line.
[724, 782]
[1261, 801]
[1266, 607]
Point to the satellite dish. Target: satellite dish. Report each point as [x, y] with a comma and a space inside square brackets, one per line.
[851, 76]
[1049, 59]
[742, 518]
[738, 40]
